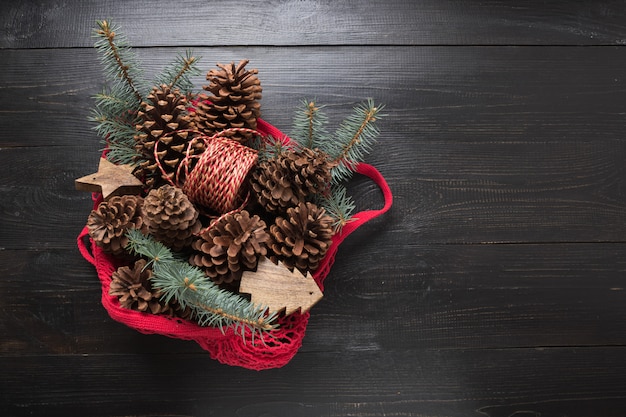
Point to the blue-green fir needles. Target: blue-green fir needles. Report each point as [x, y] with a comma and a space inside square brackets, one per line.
[187, 284]
[117, 106]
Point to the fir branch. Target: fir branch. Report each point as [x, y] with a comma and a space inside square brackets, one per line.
[118, 134]
[354, 138]
[112, 129]
[338, 205]
[121, 153]
[309, 125]
[117, 57]
[187, 284]
[117, 101]
[270, 147]
[146, 246]
[178, 74]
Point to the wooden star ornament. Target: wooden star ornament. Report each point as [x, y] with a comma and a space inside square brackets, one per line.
[110, 180]
[276, 287]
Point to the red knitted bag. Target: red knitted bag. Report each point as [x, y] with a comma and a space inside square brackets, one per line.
[277, 349]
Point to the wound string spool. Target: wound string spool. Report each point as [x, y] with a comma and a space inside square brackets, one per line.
[217, 180]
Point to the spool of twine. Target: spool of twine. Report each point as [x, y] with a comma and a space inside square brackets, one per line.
[218, 179]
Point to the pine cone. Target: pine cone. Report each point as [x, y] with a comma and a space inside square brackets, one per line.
[133, 288]
[166, 124]
[110, 221]
[302, 238]
[233, 244]
[233, 102]
[290, 177]
[178, 311]
[171, 218]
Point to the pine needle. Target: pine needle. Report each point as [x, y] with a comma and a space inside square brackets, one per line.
[354, 139]
[178, 74]
[117, 105]
[309, 125]
[269, 147]
[117, 57]
[118, 137]
[338, 205]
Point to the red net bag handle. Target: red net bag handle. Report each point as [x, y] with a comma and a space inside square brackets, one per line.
[357, 221]
[81, 240]
[364, 216]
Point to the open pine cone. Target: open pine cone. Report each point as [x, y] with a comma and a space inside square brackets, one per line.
[302, 238]
[166, 124]
[233, 244]
[287, 179]
[233, 103]
[134, 291]
[110, 221]
[171, 218]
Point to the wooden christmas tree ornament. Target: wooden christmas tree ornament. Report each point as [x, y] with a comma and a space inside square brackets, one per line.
[110, 180]
[277, 288]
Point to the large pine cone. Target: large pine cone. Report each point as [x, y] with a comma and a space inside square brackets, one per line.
[110, 221]
[302, 238]
[133, 288]
[233, 102]
[165, 123]
[233, 244]
[171, 218]
[291, 177]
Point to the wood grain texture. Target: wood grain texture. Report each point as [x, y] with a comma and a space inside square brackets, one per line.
[457, 383]
[55, 24]
[495, 285]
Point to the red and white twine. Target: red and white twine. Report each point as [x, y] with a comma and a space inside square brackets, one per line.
[217, 180]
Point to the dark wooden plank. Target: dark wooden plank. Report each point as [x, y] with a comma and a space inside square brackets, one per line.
[40, 201]
[254, 22]
[425, 383]
[435, 296]
[481, 94]
[445, 296]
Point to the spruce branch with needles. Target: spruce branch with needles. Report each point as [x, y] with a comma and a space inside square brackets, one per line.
[188, 285]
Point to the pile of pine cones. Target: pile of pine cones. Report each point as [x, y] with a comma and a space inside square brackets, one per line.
[279, 220]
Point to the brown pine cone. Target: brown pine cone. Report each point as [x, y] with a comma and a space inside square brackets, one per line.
[302, 238]
[133, 288]
[171, 218]
[290, 177]
[165, 123]
[178, 311]
[311, 170]
[233, 102]
[110, 221]
[233, 244]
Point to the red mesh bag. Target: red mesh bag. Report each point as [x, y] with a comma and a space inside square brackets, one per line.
[277, 349]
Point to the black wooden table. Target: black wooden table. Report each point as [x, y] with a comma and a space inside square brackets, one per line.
[495, 285]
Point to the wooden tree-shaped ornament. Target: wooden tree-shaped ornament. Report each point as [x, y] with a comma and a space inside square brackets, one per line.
[277, 288]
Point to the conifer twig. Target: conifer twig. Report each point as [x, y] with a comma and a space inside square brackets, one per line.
[112, 51]
[354, 139]
[178, 74]
[270, 147]
[309, 125]
[187, 284]
[338, 205]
